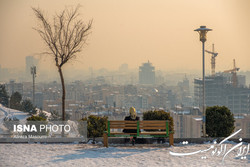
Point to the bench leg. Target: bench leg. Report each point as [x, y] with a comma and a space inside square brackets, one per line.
[105, 139]
[171, 139]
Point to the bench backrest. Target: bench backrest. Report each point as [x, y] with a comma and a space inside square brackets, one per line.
[157, 124]
[139, 125]
[122, 124]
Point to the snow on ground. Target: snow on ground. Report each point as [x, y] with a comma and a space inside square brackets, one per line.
[47, 114]
[11, 113]
[89, 155]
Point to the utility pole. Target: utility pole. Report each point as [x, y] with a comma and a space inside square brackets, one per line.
[33, 73]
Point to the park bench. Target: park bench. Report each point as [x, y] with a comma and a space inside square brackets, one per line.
[149, 128]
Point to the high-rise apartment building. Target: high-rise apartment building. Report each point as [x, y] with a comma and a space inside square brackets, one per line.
[147, 73]
[218, 91]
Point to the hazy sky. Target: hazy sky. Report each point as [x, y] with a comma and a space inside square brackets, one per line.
[135, 31]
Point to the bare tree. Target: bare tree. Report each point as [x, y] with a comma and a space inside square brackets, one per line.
[64, 37]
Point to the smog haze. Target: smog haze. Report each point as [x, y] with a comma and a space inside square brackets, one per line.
[133, 32]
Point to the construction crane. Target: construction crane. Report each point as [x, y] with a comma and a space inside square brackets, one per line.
[233, 72]
[212, 60]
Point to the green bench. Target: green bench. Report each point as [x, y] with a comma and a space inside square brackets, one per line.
[150, 128]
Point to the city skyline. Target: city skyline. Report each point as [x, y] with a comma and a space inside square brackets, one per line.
[135, 32]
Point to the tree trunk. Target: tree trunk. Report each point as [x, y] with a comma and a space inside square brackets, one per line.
[63, 93]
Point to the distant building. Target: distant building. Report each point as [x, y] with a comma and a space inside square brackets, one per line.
[241, 80]
[219, 92]
[13, 87]
[184, 92]
[39, 100]
[130, 89]
[142, 101]
[147, 74]
[171, 99]
[187, 123]
[123, 68]
[242, 122]
[110, 100]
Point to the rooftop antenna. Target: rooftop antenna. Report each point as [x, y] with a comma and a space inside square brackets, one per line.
[33, 73]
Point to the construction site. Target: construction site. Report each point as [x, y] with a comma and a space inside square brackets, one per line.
[225, 88]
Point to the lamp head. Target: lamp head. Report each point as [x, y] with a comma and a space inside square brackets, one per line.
[203, 32]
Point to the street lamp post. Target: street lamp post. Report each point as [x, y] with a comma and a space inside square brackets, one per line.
[203, 37]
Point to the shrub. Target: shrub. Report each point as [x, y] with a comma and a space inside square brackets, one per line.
[37, 121]
[15, 101]
[43, 115]
[219, 121]
[36, 118]
[159, 115]
[27, 106]
[3, 96]
[96, 125]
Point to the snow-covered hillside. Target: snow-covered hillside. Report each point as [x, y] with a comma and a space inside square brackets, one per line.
[11, 113]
